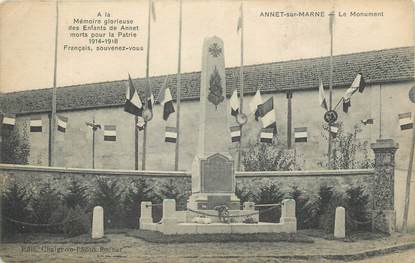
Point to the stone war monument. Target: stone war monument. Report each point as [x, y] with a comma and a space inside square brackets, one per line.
[213, 175]
[213, 206]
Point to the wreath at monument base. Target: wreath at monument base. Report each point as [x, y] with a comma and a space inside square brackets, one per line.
[223, 213]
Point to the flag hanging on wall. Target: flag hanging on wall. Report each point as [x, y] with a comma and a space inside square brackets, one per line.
[62, 123]
[357, 85]
[322, 96]
[110, 133]
[300, 134]
[267, 114]
[234, 101]
[255, 103]
[36, 124]
[133, 102]
[166, 101]
[367, 121]
[405, 121]
[9, 120]
[171, 134]
[267, 134]
[235, 133]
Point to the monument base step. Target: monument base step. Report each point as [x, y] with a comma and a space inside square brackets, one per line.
[237, 216]
[220, 228]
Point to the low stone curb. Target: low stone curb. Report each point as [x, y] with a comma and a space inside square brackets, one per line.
[372, 252]
[160, 238]
[343, 257]
[63, 241]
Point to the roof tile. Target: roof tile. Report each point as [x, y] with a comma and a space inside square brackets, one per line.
[387, 65]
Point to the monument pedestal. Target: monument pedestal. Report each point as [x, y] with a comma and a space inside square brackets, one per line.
[213, 182]
[202, 201]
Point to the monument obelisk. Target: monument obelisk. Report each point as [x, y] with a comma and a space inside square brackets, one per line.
[213, 171]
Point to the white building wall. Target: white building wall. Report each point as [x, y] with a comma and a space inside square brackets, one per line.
[74, 148]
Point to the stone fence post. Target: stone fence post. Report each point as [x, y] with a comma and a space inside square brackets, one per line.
[384, 214]
[288, 215]
[169, 211]
[169, 220]
[145, 214]
[98, 222]
[340, 223]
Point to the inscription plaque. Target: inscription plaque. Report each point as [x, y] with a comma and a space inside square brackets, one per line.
[217, 174]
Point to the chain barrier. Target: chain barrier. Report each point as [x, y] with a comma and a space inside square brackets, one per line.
[362, 222]
[41, 225]
[32, 224]
[147, 206]
[274, 206]
[265, 205]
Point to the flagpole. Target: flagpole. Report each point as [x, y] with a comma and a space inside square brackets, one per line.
[411, 161]
[135, 143]
[1, 142]
[178, 91]
[143, 162]
[289, 118]
[241, 74]
[52, 129]
[330, 84]
[380, 111]
[93, 142]
[408, 179]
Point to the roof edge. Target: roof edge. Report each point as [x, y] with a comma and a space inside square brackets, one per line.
[227, 68]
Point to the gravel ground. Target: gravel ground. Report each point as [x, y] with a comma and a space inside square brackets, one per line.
[129, 249]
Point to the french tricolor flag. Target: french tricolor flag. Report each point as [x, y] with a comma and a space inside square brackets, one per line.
[267, 135]
[357, 85]
[62, 123]
[300, 134]
[133, 103]
[171, 134]
[110, 133]
[255, 103]
[234, 102]
[268, 114]
[9, 120]
[405, 121]
[235, 133]
[166, 101]
[36, 124]
[367, 121]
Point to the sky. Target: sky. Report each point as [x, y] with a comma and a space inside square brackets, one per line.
[27, 36]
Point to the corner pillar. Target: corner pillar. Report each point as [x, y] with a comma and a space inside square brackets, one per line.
[384, 214]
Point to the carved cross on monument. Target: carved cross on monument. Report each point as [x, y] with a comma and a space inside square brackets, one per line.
[213, 172]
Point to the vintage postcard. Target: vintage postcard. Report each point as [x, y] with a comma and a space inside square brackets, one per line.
[207, 131]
